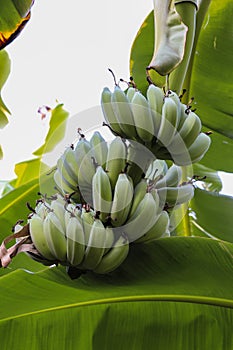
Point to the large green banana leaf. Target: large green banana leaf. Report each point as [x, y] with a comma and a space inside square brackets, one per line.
[175, 293]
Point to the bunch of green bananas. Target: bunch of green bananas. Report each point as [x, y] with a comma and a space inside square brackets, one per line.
[111, 195]
[77, 166]
[73, 235]
[169, 128]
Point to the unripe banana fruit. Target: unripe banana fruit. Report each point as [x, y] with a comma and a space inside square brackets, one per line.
[160, 121]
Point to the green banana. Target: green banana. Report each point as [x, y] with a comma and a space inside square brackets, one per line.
[109, 113]
[99, 148]
[156, 170]
[101, 193]
[87, 217]
[116, 159]
[71, 209]
[110, 238]
[130, 93]
[173, 95]
[186, 135]
[155, 97]
[63, 186]
[143, 218]
[114, 257]
[123, 112]
[37, 233]
[172, 177]
[70, 163]
[144, 123]
[174, 196]
[96, 246]
[83, 152]
[195, 152]
[158, 230]
[75, 241]
[59, 209]
[139, 193]
[122, 200]
[55, 236]
[65, 174]
[169, 121]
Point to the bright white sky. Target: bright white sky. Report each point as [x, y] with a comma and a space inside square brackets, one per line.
[63, 54]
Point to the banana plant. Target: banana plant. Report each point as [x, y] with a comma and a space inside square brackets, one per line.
[175, 292]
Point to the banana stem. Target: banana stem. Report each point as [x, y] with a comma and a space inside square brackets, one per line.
[186, 225]
[187, 11]
[203, 8]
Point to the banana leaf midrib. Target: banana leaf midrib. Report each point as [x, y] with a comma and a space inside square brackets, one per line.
[194, 299]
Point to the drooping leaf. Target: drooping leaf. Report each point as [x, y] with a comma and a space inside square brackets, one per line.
[213, 212]
[56, 131]
[181, 285]
[169, 39]
[1, 153]
[13, 17]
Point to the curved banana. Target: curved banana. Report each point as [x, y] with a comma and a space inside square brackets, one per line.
[143, 121]
[63, 186]
[55, 236]
[101, 193]
[83, 153]
[172, 177]
[114, 257]
[143, 218]
[158, 230]
[139, 193]
[123, 112]
[156, 170]
[195, 152]
[174, 196]
[110, 239]
[75, 241]
[130, 93]
[116, 159]
[70, 163]
[186, 135]
[36, 229]
[99, 148]
[88, 218]
[155, 97]
[169, 121]
[65, 174]
[122, 200]
[109, 113]
[59, 209]
[173, 95]
[96, 246]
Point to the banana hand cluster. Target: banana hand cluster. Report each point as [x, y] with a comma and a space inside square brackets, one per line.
[77, 166]
[74, 236]
[170, 129]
